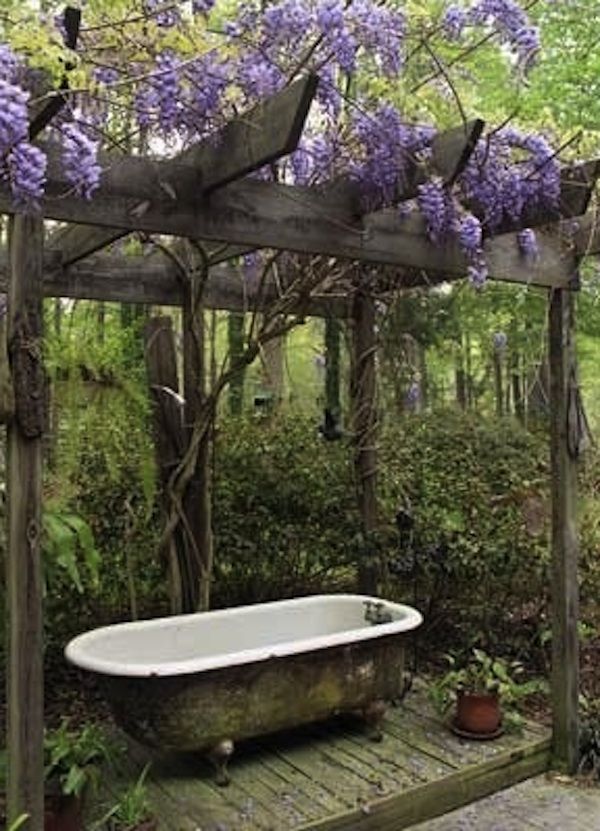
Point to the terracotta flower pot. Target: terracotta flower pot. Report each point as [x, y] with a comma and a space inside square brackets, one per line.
[477, 712]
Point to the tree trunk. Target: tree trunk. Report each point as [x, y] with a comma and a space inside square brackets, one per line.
[161, 365]
[365, 432]
[235, 337]
[332, 366]
[538, 397]
[197, 500]
[272, 355]
[517, 391]
[498, 386]
[565, 590]
[460, 382]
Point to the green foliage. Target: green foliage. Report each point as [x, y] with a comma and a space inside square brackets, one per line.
[68, 540]
[284, 510]
[589, 739]
[469, 482]
[73, 758]
[18, 823]
[131, 809]
[480, 673]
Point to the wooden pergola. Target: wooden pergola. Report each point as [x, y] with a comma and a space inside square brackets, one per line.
[204, 195]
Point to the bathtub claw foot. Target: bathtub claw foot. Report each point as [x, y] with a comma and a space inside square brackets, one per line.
[373, 715]
[219, 756]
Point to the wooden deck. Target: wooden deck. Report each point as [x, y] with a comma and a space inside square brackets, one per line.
[331, 777]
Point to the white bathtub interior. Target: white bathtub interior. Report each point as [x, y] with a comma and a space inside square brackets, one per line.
[203, 641]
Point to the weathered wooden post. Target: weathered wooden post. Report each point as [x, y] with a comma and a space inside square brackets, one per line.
[197, 502]
[363, 391]
[565, 594]
[161, 367]
[23, 562]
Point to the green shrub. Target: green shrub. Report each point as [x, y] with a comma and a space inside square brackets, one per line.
[284, 511]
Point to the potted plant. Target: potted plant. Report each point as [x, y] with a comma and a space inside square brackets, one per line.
[73, 760]
[132, 812]
[485, 691]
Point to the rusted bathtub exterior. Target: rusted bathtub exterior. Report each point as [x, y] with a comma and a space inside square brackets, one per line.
[255, 691]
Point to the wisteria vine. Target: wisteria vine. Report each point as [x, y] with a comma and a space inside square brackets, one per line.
[179, 96]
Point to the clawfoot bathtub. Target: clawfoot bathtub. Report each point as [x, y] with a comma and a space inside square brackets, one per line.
[200, 682]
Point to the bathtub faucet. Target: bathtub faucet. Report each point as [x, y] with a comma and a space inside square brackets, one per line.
[375, 612]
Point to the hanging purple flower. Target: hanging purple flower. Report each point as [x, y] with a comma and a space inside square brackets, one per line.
[202, 6]
[470, 235]
[454, 22]
[477, 273]
[26, 166]
[14, 119]
[527, 241]
[106, 75]
[165, 14]
[79, 158]
[9, 63]
[167, 88]
[432, 201]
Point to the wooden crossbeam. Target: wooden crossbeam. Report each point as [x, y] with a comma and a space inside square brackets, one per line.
[277, 216]
[41, 115]
[450, 152]
[153, 281]
[269, 131]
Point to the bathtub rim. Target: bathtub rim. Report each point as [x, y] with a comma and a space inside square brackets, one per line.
[77, 654]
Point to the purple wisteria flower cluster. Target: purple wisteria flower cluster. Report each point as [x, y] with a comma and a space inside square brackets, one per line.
[79, 158]
[508, 172]
[184, 97]
[22, 164]
[504, 16]
[331, 32]
[164, 13]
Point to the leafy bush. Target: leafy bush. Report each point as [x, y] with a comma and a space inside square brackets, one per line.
[284, 511]
[477, 491]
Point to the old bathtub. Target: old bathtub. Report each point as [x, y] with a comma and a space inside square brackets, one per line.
[201, 681]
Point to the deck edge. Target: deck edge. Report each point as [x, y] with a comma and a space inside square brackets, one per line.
[425, 802]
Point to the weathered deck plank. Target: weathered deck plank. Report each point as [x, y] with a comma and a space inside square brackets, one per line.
[331, 777]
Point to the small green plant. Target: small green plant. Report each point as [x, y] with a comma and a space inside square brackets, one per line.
[68, 541]
[482, 674]
[18, 823]
[132, 809]
[74, 758]
[589, 740]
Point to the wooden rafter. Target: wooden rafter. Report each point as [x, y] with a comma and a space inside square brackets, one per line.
[268, 132]
[41, 115]
[154, 281]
